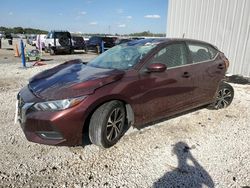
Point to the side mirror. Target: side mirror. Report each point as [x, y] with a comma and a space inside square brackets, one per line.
[156, 67]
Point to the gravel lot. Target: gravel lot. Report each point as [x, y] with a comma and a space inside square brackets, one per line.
[202, 148]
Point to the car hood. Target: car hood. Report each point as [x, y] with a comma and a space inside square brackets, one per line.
[71, 79]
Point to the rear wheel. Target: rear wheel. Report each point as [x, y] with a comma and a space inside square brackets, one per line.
[97, 49]
[107, 124]
[225, 95]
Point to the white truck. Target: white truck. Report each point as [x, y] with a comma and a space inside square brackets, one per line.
[58, 41]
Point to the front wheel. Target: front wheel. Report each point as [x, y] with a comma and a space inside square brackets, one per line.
[86, 49]
[46, 49]
[52, 51]
[225, 95]
[107, 124]
[71, 51]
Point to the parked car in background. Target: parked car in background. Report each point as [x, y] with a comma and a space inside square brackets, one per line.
[58, 41]
[128, 85]
[34, 43]
[31, 40]
[2, 34]
[78, 42]
[21, 36]
[9, 37]
[122, 40]
[95, 43]
[40, 41]
[86, 38]
[137, 38]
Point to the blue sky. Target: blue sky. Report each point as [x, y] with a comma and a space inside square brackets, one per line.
[87, 16]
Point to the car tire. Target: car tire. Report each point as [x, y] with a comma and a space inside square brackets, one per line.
[52, 51]
[86, 50]
[224, 97]
[64, 40]
[46, 50]
[97, 50]
[107, 124]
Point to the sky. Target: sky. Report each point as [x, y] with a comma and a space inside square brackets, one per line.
[86, 16]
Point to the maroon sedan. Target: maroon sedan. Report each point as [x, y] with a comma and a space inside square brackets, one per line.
[131, 84]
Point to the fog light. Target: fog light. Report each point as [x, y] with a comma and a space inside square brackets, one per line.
[53, 135]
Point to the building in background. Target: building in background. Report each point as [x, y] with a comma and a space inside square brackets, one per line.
[224, 23]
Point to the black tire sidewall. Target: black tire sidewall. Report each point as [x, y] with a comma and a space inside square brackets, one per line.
[230, 88]
[52, 51]
[104, 129]
[224, 85]
[98, 123]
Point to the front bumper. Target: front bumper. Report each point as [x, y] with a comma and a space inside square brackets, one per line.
[51, 128]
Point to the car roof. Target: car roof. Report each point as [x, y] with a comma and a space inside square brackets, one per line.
[165, 41]
[146, 41]
[76, 35]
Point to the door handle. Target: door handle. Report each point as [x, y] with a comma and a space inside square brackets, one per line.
[220, 66]
[186, 75]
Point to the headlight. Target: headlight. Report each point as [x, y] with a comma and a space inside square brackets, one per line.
[58, 104]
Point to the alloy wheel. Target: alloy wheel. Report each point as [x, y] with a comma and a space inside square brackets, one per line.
[223, 99]
[115, 124]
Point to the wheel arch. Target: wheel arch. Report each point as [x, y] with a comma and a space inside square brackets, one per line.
[130, 117]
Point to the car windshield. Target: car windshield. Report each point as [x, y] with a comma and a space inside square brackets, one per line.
[122, 57]
[94, 39]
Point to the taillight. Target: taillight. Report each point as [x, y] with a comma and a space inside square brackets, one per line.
[226, 61]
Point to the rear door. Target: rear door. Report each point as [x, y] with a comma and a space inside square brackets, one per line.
[209, 69]
[169, 92]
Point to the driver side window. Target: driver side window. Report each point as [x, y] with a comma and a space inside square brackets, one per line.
[173, 55]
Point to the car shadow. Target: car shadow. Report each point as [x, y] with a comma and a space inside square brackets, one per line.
[85, 139]
[85, 136]
[189, 173]
[47, 59]
[73, 53]
[7, 49]
[171, 117]
[237, 79]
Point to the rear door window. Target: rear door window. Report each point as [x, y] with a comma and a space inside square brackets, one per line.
[202, 52]
[173, 55]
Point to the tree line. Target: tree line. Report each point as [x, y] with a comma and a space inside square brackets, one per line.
[20, 30]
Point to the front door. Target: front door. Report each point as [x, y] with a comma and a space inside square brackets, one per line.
[168, 92]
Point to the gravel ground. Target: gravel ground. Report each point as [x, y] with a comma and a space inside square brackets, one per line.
[202, 148]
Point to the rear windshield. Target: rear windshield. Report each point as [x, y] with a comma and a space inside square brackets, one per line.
[94, 39]
[58, 34]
